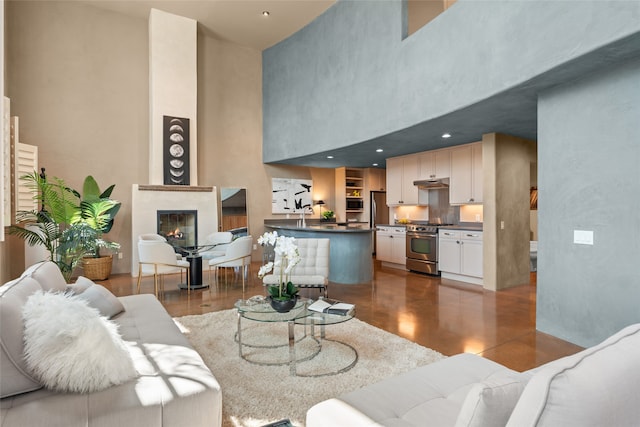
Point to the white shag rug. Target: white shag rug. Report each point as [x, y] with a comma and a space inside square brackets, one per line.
[254, 395]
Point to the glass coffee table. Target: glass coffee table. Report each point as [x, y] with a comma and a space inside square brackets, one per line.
[259, 310]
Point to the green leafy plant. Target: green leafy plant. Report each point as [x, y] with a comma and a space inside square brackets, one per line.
[287, 256]
[97, 210]
[327, 214]
[68, 225]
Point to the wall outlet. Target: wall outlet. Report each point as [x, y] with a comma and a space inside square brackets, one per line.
[501, 225]
[255, 247]
[477, 217]
[120, 255]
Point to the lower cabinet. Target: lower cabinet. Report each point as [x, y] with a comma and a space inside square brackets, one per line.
[460, 255]
[391, 248]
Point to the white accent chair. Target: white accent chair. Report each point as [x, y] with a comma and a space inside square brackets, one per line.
[152, 236]
[158, 258]
[222, 240]
[313, 269]
[157, 238]
[238, 255]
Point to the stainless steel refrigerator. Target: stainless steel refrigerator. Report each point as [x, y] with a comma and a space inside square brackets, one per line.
[379, 212]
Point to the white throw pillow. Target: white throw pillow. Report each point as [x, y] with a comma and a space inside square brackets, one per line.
[81, 285]
[489, 403]
[97, 296]
[70, 347]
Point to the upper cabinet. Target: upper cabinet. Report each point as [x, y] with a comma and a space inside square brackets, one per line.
[465, 185]
[461, 164]
[375, 179]
[434, 164]
[401, 172]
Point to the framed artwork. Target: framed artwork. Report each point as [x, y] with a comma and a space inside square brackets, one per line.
[291, 195]
[175, 136]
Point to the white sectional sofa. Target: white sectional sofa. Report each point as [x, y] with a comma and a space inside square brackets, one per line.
[171, 385]
[599, 386]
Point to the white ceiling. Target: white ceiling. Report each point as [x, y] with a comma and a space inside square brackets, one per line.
[238, 21]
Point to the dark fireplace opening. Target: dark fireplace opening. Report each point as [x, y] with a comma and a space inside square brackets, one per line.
[179, 227]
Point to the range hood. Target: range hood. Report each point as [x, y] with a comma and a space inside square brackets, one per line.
[432, 184]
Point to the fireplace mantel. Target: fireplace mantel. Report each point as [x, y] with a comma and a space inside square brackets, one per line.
[192, 188]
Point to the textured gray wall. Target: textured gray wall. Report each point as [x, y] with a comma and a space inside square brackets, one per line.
[589, 179]
[348, 77]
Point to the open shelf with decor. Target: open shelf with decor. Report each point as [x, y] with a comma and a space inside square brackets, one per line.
[350, 194]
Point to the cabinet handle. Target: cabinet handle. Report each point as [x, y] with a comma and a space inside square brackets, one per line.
[471, 200]
[472, 235]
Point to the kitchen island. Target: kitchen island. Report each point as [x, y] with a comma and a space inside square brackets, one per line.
[350, 248]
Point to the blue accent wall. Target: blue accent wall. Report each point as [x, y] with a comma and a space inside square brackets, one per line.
[349, 77]
[589, 179]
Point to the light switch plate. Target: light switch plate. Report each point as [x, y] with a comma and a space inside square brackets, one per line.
[583, 237]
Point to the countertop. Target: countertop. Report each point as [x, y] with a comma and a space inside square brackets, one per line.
[329, 228]
[470, 227]
[463, 227]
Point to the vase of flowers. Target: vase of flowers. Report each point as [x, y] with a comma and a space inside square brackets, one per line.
[284, 295]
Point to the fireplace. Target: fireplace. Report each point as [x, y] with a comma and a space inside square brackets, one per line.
[179, 227]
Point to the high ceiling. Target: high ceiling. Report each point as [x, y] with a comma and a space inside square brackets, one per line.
[513, 111]
[238, 21]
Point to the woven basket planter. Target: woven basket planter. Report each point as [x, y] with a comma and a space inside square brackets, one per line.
[97, 268]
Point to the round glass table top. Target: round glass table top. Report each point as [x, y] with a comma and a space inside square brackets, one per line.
[258, 308]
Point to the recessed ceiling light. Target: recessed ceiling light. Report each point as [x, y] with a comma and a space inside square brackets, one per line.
[375, 164]
[446, 135]
[265, 13]
[329, 157]
[379, 150]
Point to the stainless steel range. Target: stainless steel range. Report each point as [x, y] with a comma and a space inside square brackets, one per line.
[422, 248]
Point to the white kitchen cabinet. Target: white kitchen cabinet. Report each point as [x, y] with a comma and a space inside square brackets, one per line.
[465, 186]
[434, 164]
[471, 253]
[391, 246]
[449, 251]
[460, 255]
[401, 172]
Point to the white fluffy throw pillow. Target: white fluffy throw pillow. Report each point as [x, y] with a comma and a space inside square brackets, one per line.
[70, 347]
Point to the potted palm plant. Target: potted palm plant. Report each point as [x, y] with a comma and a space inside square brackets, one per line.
[51, 226]
[68, 225]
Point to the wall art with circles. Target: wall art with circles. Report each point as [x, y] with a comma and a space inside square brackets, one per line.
[175, 150]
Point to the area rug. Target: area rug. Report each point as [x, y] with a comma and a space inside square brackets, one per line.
[254, 395]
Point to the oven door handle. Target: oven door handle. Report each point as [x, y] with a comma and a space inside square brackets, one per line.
[421, 235]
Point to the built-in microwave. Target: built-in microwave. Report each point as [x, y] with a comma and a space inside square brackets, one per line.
[355, 204]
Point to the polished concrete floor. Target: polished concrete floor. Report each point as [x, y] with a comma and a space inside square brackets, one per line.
[445, 315]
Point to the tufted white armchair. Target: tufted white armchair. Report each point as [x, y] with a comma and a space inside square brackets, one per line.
[313, 269]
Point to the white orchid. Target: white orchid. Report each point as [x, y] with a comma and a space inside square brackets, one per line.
[265, 269]
[288, 256]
